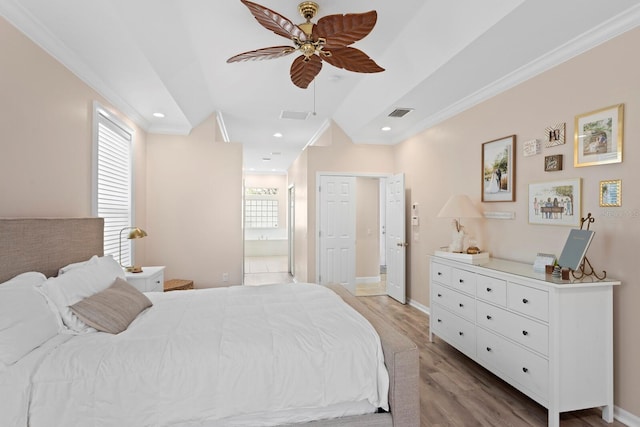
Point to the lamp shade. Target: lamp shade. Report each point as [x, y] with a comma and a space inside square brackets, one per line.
[136, 233]
[459, 206]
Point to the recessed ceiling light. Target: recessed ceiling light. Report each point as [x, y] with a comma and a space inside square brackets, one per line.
[277, 135]
[158, 115]
[276, 153]
[266, 159]
[385, 128]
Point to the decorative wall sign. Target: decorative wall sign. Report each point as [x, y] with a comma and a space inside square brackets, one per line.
[553, 163]
[611, 193]
[555, 134]
[531, 148]
[598, 137]
[555, 202]
[499, 170]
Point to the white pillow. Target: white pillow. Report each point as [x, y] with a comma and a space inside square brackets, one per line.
[26, 321]
[77, 284]
[77, 264]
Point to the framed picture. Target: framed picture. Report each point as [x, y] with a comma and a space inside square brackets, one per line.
[611, 193]
[555, 134]
[555, 202]
[499, 170]
[598, 137]
[553, 163]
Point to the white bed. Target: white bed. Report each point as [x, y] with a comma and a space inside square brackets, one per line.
[246, 356]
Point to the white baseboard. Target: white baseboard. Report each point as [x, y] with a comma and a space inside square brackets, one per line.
[423, 308]
[373, 279]
[626, 418]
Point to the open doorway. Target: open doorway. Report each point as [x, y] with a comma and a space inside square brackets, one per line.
[266, 242]
[371, 266]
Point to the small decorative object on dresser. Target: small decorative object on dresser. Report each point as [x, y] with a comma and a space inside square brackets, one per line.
[549, 338]
[150, 280]
[458, 206]
[178, 285]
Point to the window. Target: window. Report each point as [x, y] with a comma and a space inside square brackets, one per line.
[112, 181]
[260, 207]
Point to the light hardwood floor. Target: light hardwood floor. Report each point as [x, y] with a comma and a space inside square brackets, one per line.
[455, 391]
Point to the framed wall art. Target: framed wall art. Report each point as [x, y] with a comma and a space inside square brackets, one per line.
[499, 170]
[553, 163]
[598, 137]
[611, 193]
[555, 134]
[555, 202]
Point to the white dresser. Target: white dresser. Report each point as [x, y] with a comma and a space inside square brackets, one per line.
[150, 280]
[549, 338]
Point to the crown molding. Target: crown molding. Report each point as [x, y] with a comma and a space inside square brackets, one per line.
[24, 21]
[607, 30]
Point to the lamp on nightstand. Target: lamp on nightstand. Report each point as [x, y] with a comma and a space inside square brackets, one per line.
[134, 233]
[458, 206]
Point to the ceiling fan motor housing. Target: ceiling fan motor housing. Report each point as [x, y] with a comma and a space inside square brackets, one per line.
[308, 9]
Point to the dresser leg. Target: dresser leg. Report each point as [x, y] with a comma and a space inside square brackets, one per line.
[607, 413]
[554, 418]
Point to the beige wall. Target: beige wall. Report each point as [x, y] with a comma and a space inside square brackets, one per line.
[46, 119]
[367, 227]
[194, 206]
[436, 167]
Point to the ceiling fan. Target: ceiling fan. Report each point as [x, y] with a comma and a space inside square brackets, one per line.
[327, 40]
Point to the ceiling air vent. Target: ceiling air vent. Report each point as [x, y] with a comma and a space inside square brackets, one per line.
[400, 112]
[294, 115]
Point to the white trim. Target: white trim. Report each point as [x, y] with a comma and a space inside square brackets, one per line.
[28, 24]
[607, 30]
[364, 280]
[222, 126]
[625, 417]
[423, 308]
[323, 127]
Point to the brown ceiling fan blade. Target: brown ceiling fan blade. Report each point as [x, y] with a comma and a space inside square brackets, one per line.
[352, 59]
[303, 72]
[342, 30]
[260, 54]
[274, 21]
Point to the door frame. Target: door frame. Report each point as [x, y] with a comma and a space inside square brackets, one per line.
[291, 224]
[318, 222]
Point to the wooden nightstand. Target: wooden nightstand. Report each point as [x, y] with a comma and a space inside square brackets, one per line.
[178, 285]
[150, 280]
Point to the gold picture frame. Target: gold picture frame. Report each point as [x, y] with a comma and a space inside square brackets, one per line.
[498, 179]
[611, 193]
[598, 137]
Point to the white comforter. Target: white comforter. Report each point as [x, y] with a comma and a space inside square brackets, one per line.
[226, 356]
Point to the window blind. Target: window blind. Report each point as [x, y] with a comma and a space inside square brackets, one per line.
[113, 185]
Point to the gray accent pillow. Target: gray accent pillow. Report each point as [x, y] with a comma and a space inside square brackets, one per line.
[113, 309]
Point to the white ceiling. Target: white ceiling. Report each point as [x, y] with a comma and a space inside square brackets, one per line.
[440, 56]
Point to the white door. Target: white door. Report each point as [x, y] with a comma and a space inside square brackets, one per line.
[396, 244]
[337, 256]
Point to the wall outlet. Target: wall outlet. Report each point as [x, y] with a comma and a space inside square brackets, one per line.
[225, 277]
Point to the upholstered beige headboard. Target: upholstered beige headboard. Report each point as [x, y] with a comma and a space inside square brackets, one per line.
[46, 244]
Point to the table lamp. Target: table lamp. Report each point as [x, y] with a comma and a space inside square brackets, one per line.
[458, 206]
[135, 233]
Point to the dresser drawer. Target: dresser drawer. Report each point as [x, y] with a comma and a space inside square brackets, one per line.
[453, 329]
[491, 289]
[461, 304]
[527, 369]
[514, 327]
[463, 280]
[527, 300]
[440, 273]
